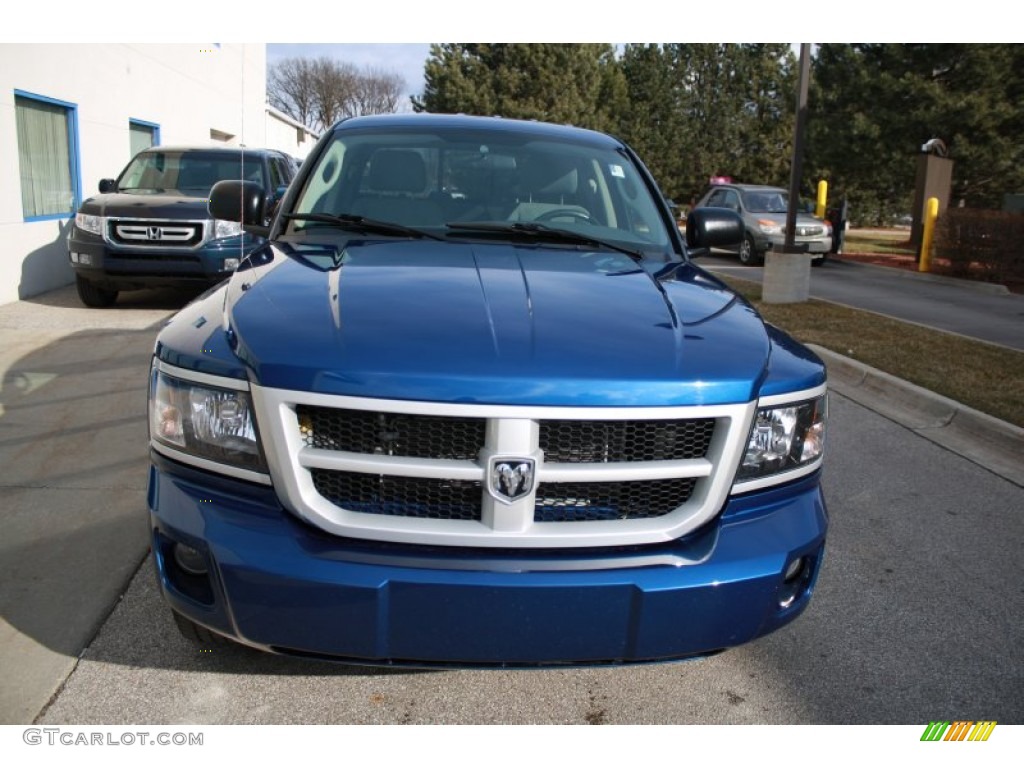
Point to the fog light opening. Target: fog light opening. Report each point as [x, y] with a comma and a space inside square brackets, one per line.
[795, 579]
[191, 561]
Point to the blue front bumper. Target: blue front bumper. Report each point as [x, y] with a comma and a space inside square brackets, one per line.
[279, 584]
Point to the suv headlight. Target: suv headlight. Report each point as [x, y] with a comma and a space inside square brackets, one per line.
[784, 438]
[202, 423]
[224, 228]
[87, 222]
[769, 227]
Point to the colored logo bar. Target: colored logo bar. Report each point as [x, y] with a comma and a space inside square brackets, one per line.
[958, 730]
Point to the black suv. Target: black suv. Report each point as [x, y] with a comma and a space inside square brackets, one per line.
[152, 226]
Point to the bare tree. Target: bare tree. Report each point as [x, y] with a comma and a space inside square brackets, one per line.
[291, 88]
[319, 92]
[379, 92]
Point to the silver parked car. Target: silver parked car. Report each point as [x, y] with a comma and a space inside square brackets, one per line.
[763, 210]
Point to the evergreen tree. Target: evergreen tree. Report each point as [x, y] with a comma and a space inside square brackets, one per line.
[874, 105]
[555, 82]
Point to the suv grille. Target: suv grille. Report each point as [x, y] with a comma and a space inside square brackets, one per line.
[156, 233]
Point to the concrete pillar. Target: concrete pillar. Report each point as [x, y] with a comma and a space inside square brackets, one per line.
[787, 278]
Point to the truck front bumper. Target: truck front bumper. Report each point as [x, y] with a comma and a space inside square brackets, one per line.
[274, 582]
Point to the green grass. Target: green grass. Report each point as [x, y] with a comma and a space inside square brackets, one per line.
[878, 241]
[982, 376]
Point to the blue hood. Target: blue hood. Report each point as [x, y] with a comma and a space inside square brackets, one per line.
[492, 323]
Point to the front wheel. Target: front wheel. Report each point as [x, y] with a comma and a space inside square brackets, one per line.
[819, 261]
[197, 633]
[93, 295]
[748, 252]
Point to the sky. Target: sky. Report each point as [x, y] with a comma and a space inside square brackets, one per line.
[406, 59]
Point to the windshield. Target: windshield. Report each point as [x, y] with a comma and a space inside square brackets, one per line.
[190, 172]
[766, 201]
[430, 179]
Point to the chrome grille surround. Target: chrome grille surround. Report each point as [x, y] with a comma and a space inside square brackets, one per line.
[511, 431]
[177, 234]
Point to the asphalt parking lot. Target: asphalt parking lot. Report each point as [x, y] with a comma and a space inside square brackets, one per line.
[915, 616]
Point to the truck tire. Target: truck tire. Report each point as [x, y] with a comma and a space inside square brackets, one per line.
[93, 295]
[196, 633]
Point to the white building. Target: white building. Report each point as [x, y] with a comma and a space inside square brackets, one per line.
[288, 135]
[71, 115]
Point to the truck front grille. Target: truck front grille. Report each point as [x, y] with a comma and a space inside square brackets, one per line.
[440, 499]
[476, 475]
[441, 437]
[391, 434]
[629, 500]
[589, 442]
[432, 498]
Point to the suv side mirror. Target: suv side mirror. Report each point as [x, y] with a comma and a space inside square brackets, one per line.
[107, 186]
[708, 228]
[241, 201]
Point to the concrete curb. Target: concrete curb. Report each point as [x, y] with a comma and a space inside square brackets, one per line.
[987, 441]
[992, 289]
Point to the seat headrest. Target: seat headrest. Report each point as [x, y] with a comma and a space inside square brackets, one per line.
[397, 170]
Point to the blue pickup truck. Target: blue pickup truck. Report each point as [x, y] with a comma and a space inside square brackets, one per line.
[472, 404]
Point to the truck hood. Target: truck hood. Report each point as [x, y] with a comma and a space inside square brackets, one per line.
[492, 323]
[148, 205]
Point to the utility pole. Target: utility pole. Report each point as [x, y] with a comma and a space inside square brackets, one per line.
[787, 273]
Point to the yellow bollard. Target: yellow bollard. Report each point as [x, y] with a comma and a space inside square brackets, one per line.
[819, 209]
[931, 214]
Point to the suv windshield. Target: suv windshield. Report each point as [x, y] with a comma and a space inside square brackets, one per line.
[191, 172]
[429, 180]
[766, 201]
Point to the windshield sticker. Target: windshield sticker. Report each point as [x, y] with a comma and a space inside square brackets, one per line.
[616, 170]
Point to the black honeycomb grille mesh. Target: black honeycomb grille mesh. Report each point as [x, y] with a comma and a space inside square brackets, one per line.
[427, 497]
[592, 442]
[632, 500]
[391, 434]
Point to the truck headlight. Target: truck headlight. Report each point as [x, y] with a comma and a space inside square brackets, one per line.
[204, 422]
[769, 227]
[223, 228]
[87, 222]
[784, 438]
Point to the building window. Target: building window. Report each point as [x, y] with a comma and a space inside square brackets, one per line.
[47, 156]
[142, 135]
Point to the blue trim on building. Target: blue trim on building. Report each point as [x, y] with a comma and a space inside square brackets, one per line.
[74, 154]
[147, 124]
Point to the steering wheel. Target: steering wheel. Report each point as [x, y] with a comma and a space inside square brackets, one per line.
[565, 213]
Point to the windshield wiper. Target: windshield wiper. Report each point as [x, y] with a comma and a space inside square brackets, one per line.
[538, 231]
[362, 224]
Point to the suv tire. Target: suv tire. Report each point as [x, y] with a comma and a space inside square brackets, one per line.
[93, 295]
[749, 254]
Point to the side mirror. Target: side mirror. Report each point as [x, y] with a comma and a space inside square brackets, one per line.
[241, 201]
[708, 228]
[107, 186]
